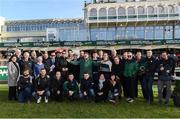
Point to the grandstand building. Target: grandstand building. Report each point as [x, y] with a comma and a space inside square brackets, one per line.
[123, 24]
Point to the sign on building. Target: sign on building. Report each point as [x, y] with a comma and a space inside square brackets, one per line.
[3, 73]
[52, 34]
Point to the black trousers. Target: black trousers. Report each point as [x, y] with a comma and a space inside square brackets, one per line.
[12, 93]
[124, 86]
[73, 97]
[99, 98]
[130, 86]
[57, 97]
[139, 78]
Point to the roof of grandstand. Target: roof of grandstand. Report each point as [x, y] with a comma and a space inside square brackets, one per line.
[55, 20]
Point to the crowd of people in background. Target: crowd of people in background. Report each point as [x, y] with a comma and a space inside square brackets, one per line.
[99, 76]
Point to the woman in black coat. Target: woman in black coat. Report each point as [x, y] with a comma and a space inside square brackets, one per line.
[101, 89]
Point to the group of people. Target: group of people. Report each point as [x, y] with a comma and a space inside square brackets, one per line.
[98, 76]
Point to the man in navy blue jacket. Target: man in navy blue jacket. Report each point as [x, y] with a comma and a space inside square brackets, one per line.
[86, 87]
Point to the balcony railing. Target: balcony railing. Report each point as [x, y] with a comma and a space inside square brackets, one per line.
[145, 17]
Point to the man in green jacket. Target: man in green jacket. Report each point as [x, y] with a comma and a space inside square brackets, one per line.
[130, 72]
[86, 65]
[71, 89]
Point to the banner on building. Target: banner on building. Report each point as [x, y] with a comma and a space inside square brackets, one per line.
[3, 73]
[91, 43]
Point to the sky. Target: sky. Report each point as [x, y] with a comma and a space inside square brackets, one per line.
[41, 9]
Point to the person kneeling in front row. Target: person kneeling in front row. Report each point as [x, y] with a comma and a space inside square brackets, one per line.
[57, 87]
[101, 89]
[24, 86]
[114, 91]
[86, 87]
[42, 84]
[71, 89]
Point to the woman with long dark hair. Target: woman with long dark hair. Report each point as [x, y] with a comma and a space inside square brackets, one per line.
[13, 76]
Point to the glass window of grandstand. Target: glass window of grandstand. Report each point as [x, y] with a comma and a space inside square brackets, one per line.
[141, 13]
[102, 14]
[140, 10]
[168, 32]
[94, 34]
[17, 28]
[150, 11]
[23, 28]
[130, 33]
[162, 12]
[171, 9]
[34, 27]
[12, 28]
[139, 33]
[68, 35]
[177, 32]
[149, 33]
[83, 35]
[27, 27]
[74, 35]
[159, 32]
[121, 33]
[129, 0]
[93, 14]
[111, 33]
[61, 35]
[102, 34]
[9, 28]
[121, 13]
[112, 13]
[131, 12]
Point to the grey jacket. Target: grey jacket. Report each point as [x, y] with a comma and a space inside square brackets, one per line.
[13, 74]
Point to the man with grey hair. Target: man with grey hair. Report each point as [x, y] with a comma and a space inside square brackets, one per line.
[25, 63]
[18, 54]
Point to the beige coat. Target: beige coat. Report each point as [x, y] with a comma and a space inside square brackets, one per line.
[13, 74]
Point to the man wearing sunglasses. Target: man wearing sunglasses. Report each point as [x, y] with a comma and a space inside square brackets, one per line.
[130, 71]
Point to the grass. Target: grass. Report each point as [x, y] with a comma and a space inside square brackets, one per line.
[83, 109]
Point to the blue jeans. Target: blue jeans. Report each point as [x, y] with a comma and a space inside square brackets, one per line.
[113, 94]
[148, 87]
[46, 94]
[90, 94]
[25, 95]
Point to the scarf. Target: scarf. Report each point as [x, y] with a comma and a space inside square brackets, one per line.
[101, 84]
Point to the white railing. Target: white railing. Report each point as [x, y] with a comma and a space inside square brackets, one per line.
[175, 77]
[157, 17]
